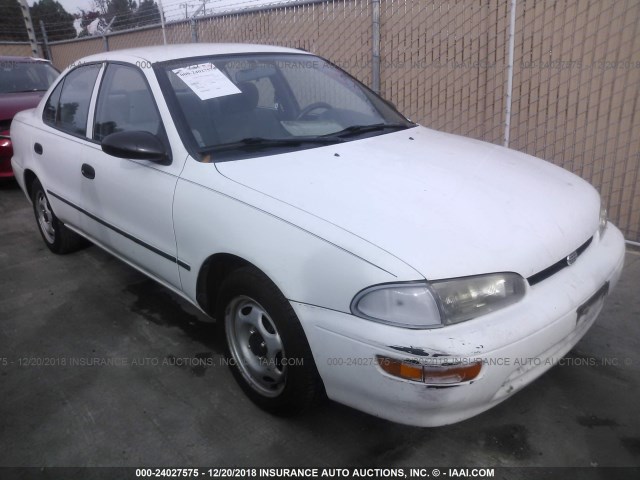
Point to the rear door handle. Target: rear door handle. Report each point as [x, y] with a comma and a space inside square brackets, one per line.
[37, 148]
[88, 171]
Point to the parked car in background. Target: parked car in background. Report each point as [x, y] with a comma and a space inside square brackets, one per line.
[23, 81]
[415, 275]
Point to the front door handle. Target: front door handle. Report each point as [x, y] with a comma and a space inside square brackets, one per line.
[37, 148]
[88, 171]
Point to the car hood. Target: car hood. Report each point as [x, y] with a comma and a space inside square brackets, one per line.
[12, 103]
[448, 206]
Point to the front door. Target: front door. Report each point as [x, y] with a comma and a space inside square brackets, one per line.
[129, 203]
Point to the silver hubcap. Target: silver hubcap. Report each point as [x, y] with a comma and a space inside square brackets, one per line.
[256, 346]
[45, 217]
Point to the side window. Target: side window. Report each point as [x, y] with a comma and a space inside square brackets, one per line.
[125, 103]
[75, 97]
[50, 113]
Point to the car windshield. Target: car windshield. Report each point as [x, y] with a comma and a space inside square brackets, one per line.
[260, 104]
[18, 77]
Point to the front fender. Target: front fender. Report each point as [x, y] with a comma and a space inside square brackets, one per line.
[215, 215]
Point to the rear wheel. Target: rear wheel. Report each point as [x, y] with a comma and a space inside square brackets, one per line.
[268, 352]
[56, 236]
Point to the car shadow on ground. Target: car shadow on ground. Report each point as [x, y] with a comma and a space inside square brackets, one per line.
[8, 184]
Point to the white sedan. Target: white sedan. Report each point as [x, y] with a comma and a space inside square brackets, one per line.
[415, 275]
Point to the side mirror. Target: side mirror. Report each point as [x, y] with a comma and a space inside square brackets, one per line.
[136, 145]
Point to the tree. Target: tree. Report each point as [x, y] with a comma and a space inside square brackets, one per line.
[123, 10]
[11, 22]
[147, 13]
[58, 22]
[86, 19]
[101, 6]
[127, 14]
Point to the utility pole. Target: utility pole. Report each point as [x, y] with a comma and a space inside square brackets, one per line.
[194, 25]
[186, 10]
[510, 62]
[26, 14]
[164, 32]
[375, 50]
[204, 7]
[45, 40]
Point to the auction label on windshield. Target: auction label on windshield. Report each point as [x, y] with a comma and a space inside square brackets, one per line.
[206, 80]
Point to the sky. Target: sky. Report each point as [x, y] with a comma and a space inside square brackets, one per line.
[73, 6]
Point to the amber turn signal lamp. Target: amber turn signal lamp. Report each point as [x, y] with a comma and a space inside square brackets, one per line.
[430, 374]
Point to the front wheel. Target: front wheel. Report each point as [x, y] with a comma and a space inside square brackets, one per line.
[56, 236]
[267, 349]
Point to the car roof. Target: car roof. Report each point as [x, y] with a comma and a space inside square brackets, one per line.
[163, 53]
[9, 58]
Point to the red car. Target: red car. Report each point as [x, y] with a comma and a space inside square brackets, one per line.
[23, 82]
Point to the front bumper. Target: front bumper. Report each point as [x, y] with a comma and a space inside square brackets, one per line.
[516, 345]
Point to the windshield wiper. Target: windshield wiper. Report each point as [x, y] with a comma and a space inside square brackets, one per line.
[260, 142]
[376, 127]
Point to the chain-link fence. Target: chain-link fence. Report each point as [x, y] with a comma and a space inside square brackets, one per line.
[15, 49]
[559, 79]
[576, 92]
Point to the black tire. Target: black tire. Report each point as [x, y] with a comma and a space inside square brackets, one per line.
[284, 383]
[56, 236]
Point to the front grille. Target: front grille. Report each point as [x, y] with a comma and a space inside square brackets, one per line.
[556, 267]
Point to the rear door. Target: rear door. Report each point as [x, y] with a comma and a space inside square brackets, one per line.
[61, 142]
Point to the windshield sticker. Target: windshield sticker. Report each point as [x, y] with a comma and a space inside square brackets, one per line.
[206, 81]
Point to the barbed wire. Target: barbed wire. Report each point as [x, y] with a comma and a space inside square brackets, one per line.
[218, 6]
[174, 11]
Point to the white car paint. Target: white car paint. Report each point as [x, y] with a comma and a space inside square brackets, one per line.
[418, 193]
[327, 222]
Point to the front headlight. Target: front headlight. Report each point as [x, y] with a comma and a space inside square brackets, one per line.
[603, 220]
[462, 299]
[409, 305]
[439, 303]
